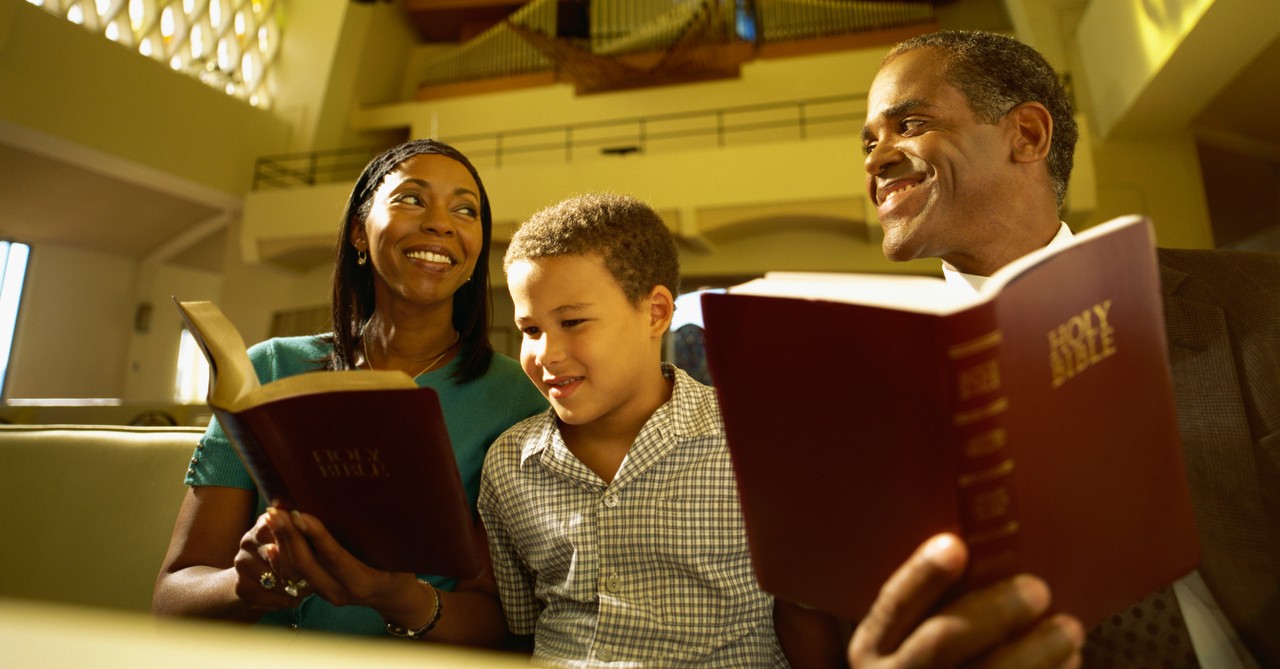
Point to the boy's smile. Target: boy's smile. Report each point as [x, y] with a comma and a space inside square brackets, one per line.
[592, 353]
[561, 388]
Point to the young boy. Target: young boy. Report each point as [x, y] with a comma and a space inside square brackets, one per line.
[613, 519]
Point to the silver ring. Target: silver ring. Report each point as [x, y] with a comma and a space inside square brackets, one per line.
[267, 580]
[291, 588]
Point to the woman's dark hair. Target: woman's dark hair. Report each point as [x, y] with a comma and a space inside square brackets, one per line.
[353, 293]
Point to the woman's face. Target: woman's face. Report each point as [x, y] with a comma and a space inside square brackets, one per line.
[423, 233]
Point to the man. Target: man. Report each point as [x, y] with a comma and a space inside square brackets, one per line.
[968, 144]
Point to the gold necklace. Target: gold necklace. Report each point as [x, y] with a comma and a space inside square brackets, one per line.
[364, 348]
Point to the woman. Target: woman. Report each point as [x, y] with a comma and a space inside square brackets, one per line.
[410, 292]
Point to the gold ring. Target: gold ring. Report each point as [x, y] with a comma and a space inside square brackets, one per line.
[267, 580]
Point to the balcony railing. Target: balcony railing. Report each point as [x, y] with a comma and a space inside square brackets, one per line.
[793, 120]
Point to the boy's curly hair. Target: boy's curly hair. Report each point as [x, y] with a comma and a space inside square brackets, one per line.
[637, 248]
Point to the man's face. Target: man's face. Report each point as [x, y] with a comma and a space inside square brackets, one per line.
[936, 173]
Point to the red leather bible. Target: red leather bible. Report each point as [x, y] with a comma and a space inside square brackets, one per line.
[1035, 419]
[366, 452]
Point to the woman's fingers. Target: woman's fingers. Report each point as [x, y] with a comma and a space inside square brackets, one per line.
[260, 569]
[292, 555]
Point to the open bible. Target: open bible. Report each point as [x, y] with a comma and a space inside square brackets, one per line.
[366, 452]
[1034, 417]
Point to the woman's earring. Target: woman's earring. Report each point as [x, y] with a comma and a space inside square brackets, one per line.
[361, 257]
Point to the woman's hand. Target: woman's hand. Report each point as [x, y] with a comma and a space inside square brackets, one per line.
[214, 567]
[266, 579]
[306, 551]
[470, 614]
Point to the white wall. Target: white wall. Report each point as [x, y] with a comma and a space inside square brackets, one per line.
[252, 292]
[74, 325]
[153, 354]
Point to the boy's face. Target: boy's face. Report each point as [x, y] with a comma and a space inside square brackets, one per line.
[591, 352]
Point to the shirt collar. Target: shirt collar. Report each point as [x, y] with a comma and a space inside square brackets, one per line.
[972, 283]
[541, 440]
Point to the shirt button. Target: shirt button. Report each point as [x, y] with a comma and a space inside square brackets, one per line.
[613, 583]
[611, 500]
[604, 655]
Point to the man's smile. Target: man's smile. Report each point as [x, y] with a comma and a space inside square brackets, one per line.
[887, 193]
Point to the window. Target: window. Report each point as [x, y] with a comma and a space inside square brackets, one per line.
[230, 45]
[191, 385]
[13, 273]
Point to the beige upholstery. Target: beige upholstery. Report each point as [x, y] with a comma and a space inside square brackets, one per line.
[86, 511]
[85, 518]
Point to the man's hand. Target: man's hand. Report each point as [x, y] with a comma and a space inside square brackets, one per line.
[1002, 625]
